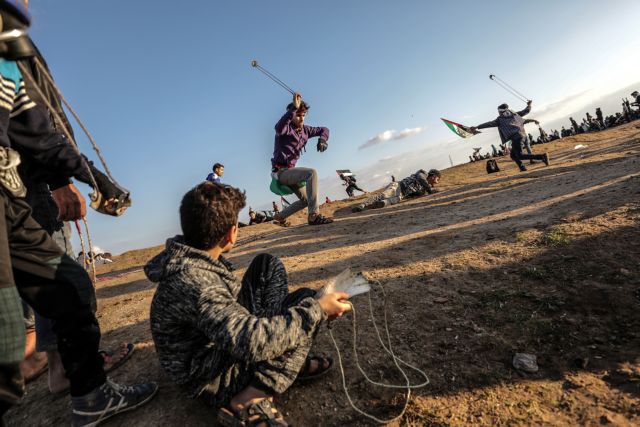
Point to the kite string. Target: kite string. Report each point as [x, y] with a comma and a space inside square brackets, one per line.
[389, 350]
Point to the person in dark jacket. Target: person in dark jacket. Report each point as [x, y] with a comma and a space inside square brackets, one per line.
[233, 343]
[350, 182]
[416, 185]
[30, 261]
[53, 204]
[291, 138]
[511, 128]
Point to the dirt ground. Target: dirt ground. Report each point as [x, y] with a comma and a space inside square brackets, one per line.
[544, 262]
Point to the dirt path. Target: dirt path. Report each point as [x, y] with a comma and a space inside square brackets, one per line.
[544, 262]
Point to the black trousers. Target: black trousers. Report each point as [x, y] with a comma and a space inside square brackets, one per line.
[56, 287]
[516, 152]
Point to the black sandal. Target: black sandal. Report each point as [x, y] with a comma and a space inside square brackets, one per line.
[306, 373]
[262, 410]
[320, 220]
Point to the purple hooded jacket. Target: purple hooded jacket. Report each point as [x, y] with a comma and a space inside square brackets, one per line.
[289, 142]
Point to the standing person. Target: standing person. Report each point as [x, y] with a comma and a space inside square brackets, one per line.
[575, 126]
[54, 203]
[350, 182]
[416, 185]
[291, 137]
[31, 263]
[275, 207]
[216, 175]
[233, 343]
[511, 127]
[600, 117]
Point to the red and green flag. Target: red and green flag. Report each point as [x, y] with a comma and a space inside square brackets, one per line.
[460, 130]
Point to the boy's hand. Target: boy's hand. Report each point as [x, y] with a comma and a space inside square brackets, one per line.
[333, 304]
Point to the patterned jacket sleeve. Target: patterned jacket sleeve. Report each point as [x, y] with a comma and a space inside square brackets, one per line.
[250, 338]
[525, 111]
[491, 124]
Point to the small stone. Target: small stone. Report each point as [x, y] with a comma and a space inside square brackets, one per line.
[525, 362]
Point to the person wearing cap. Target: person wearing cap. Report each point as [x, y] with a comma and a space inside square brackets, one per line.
[416, 185]
[511, 128]
[31, 263]
[290, 140]
[216, 175]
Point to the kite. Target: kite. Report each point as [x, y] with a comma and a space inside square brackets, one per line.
[344, 172]
[458, 129]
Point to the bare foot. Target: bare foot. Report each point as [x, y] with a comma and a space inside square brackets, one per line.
[250, 396]
[116, 356]
[58, 382]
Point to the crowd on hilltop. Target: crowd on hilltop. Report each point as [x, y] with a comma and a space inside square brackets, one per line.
[590, 123]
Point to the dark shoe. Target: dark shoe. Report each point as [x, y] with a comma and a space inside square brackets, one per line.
[378, 205]
[523, 168]
[545, 159]
[357, 209]
[108, 400]
[320, 220]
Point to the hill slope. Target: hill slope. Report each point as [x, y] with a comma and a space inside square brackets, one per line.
[544, 262]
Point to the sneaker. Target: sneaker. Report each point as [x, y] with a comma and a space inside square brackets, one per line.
[545, 159]
[108, 400]
[379, 204]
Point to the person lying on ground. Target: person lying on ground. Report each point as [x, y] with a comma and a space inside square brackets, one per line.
[256, 217]
[291, 138]
[511, 127]
[416, 185]
[234, 343]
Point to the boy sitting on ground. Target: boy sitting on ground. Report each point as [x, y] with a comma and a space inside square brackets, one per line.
[416, 185]
[234, 343]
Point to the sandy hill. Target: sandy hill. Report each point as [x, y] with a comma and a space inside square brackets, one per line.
[544, 262]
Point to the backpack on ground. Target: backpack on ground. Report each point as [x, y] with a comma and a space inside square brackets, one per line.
[492, 166]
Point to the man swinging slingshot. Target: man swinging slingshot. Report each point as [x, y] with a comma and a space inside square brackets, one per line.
[291, 138]
[510, 125]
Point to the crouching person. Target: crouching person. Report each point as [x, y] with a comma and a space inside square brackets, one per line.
[233, 343]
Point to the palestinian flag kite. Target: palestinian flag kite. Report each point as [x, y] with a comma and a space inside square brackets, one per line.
[344, 172]
[458, 129]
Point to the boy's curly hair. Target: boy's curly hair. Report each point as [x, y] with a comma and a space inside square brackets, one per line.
[208, 211]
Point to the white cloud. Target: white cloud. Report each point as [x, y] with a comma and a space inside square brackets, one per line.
[391, 135]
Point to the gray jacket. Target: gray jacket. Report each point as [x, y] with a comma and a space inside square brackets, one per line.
[199, 328]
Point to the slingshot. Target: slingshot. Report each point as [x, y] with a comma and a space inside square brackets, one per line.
[267, 73]
[504, 85]
[355, 284]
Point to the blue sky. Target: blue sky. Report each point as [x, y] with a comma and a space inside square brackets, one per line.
[167, 88]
